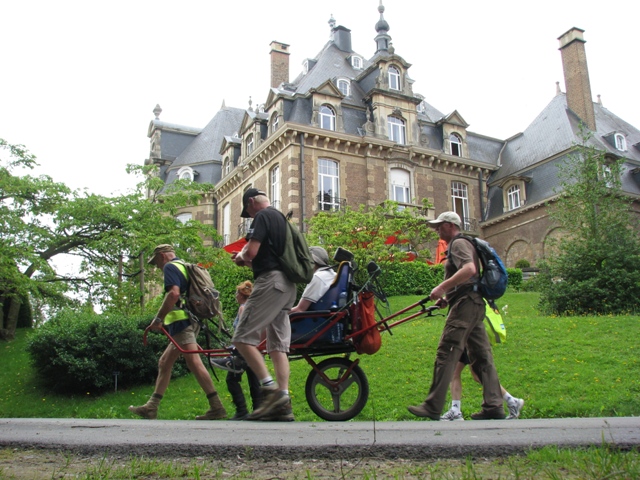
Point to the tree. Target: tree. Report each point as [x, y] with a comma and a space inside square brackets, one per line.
[381, 233]
[41, 219]
[595, 265]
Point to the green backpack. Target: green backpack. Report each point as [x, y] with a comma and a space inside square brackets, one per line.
[296, 261]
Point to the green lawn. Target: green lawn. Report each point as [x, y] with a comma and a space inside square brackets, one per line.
[562, 367]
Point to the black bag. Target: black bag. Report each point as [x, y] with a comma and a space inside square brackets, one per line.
[295, 261]
[493, 278]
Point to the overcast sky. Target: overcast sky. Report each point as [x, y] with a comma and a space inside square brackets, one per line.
[80, 79]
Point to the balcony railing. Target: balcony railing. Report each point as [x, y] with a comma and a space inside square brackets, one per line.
[328, 203]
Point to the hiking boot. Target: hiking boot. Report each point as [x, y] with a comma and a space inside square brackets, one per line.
[272, 397]
[283, 413]
[421, 411]
[233, 363]
[240, 416]
[497, 414]
[217, 413]
[452, 415]
[514, 408]
[145, 411]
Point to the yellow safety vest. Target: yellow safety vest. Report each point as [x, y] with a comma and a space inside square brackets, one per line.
[177, 314]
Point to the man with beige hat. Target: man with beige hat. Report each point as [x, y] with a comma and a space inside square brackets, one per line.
[184, 331]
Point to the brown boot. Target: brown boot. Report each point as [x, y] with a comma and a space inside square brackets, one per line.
[150, 409]
[216, 409]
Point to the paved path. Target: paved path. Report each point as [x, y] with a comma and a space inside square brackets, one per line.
[412, 439]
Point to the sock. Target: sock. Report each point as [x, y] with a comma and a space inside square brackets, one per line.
[286, 392]
[212, 394]
[154, 400]
[265, 382]
[507, 397]
[455, 405]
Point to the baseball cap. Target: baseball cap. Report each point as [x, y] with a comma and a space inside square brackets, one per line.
[163, 248]
[450, 217]
[252, 192]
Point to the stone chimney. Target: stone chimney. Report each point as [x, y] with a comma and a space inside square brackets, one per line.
[576, 76]
[279, 64]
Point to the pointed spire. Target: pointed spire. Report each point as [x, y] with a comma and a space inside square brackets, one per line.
[382, 27]
[157, 111]
[224, 105]
[332, 22]
[558, 92]
[250, 103]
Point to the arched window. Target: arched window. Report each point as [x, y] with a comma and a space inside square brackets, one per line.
[328, 185]
[275, 122]
[250, 145]
[184, 217]
[327, 118]
[185, 173]
[226, 165]
[621, 142]
[394, 78]
[513, 197]
[274, 196]
[456, 145]
[400, 182]
[397, 130]
[356, 62]
[460, 201]
[344, 86]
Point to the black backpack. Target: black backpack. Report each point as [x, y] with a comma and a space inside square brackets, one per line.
[493, 278]
[202, 299]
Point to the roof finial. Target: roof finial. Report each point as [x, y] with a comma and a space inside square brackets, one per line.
[332, 22]
[382, 27]
[157, 111]
[599, 100]
[558, 92]
[250, 102]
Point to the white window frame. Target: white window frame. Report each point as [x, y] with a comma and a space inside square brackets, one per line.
[460, 202]
[344, 85]
[227, 166]
[356, 62]
[275, 190]
[400, 185]
[394, 78]
[226, 224]
[250, 144]
[326, 117]
[397, 130]
[621, 142]
[455, 141]
[185, 173]
[328, 185]
[514, 199]
[275, 122]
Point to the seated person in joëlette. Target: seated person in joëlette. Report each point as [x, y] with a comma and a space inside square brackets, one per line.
[323, 277]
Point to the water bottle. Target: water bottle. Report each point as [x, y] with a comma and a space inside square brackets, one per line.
[342, 299]
[334, 306]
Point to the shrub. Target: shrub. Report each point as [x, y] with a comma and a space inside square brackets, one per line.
[80, 351]
[410, 278]
[523, 263]
[515, 278]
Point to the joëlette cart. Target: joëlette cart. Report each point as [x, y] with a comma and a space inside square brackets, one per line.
[342, 322]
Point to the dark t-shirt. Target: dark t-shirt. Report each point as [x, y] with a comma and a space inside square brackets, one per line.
[269, 228]
[461, 252]
[173, 276]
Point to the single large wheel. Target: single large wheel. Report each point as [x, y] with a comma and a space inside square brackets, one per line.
[335, 395]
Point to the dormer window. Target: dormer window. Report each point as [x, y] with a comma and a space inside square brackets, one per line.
[305, 67]
[356, 62]
[397, 130]
[226, 166]
[513, 197]
[394, 78]
[621, 142]
[455, 143]
[344, 86]
[327, 118]
[421, 107]
[275, 120]
[185, 173]
[250, 145]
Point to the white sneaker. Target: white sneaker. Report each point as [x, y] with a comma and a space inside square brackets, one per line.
[452, 415]
[514, 408]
